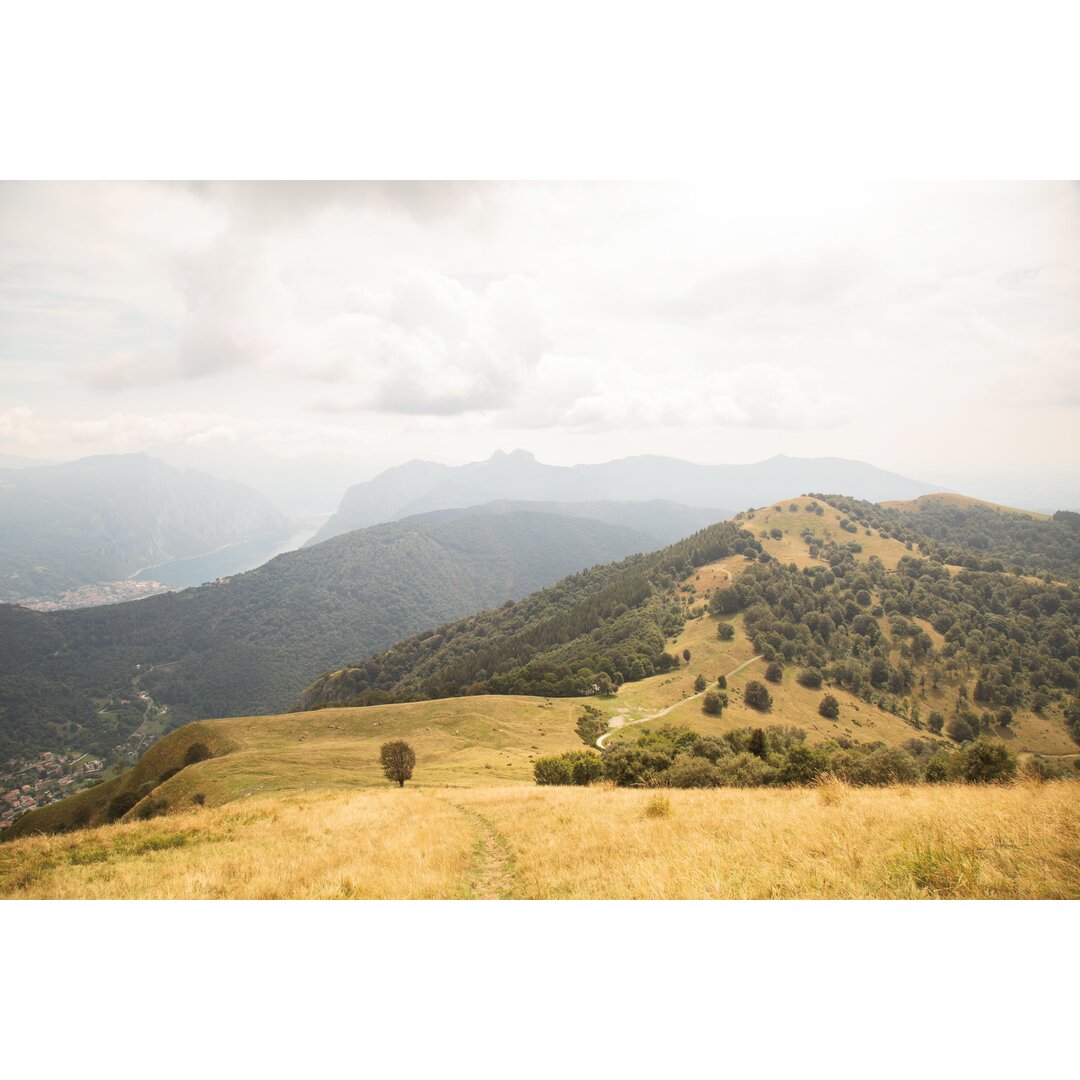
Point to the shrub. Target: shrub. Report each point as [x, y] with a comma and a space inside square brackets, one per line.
[725, 631]
[585, 769]
[199, 798]
[987, 761]
[551, 770]
[591, 725]
[120, 805]
[774, 672]
[659, 806]
[757, 697]
[884, 765]
[961, 729]
[802, 765]
[935, 722]
[1040, 768]
[692, 772]
[168, 774]
[721, 682]
[152, 808]
[810, 678]
[937, 769]
[745, 770]
[700, 684]
[711, 703]
[686, 655]
[829, 707]
[197, 752]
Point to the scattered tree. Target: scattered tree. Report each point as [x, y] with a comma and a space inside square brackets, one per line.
[711, 703]
[398, 759]
[774, 672]
[829, 707]
[757, 697]
[700, 684]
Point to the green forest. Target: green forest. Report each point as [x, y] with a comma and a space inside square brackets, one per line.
[251, 644]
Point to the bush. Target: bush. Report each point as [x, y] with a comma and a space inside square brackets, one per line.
[197, 752]
[774, 673]
[580, 767]
[725, 631]
[152, 808]
[829, 707]
[700, 684]
[711, 703]
[935, 722]
[692, 772]
[168, 774]
[551, 770]
[987, 761]
[585, 769]
[659, 806]
[884, 765]
[802, 765]
[199, 798]
[757, 697]
[1040, 768]
[961, 729]
[937, 769]
[591, 725]
[810, 678]
[721, 682]
[120, 805]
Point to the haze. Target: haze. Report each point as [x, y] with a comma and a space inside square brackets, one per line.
[929, 329]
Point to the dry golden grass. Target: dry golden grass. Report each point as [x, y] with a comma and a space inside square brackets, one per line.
[388, 844]
[830, 841]
[791, 548]
[836, 842]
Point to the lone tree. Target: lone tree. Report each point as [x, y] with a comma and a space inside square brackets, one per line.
[757, 697]
[829, 707]
[398, 759]
[700, 683]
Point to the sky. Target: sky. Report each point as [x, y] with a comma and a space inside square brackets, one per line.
[933, 329]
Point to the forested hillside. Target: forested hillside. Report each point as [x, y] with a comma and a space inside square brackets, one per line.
[965, 532]
[249, 645]
[103, 518]
[592, 631]
[965, 650]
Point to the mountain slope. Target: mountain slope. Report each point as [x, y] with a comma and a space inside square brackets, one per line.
[420, 486]
[250, 644]
[102, 518]
[662, 521]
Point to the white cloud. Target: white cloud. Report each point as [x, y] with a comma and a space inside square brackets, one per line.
[647, 316]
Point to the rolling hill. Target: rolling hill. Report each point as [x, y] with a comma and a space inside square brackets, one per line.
[421, 486]
[100, 519]
[250, 644]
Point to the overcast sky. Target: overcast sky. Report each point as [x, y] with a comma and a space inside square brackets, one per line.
[930, 329]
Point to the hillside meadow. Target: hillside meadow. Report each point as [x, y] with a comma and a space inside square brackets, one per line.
[830, 842]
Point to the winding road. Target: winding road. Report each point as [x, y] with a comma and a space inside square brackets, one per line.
[663, 712]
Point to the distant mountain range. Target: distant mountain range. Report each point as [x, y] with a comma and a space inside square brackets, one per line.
[656, 521]
[422, 486]
[103, 518]
[250, 645]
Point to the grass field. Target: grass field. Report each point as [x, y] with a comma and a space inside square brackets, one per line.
[1020, 842]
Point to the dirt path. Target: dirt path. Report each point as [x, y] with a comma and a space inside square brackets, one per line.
[664, 712]
[491, 876]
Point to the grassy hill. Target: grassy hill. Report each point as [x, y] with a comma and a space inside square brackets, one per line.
[250, 644]
[295, 804]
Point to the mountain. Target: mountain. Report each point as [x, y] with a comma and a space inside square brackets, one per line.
[663, 522]
[103, 518]
[815, 577]
[251, 643]
[420, 486]
[17, 461]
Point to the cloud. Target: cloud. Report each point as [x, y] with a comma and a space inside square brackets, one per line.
[431, 346]
[18, 425]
